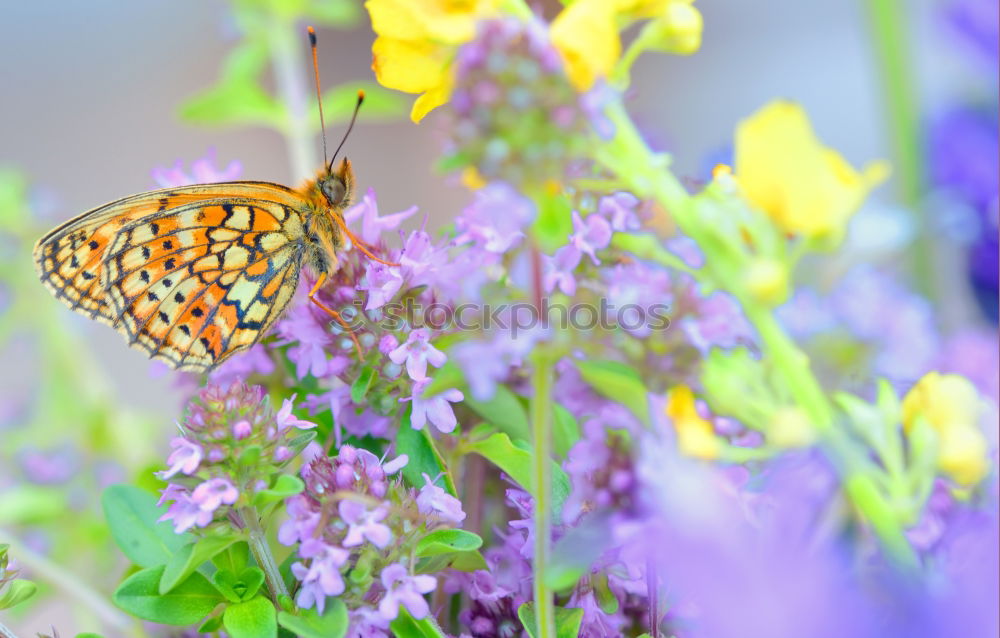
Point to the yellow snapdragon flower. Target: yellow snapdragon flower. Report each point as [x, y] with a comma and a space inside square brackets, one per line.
[950, 404]
[784, 170]
[695, 435]
[416, 45]
[586, 33]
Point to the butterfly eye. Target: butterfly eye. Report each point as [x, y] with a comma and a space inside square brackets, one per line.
[335, 190]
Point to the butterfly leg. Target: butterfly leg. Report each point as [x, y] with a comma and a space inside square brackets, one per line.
[362, 246]
[333, 313]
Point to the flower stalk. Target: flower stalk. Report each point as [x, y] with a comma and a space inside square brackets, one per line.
[262, 554]
[541, 411]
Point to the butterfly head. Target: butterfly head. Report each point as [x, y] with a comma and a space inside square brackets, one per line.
[337, 185]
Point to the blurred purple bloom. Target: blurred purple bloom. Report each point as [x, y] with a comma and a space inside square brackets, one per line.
[372, 226]
[367, 623]
[364, 524]
[382, 283]
[964, 155]
[185, 457]
[285, 419]
[482, 366]
[403, 589]
[593, 103]
[213, 493]
[322, 577]
[434, 500]
[496, 218]
[619, 209]
[203, 171]
[417, 352]
[559, 270]
[636, 291]
[254, 360]
[973, 354]
[590, 235]
[436, 409]
[719, 321]
[977, 21]
[49, 467]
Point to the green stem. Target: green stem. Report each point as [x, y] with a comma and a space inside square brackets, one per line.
[629, 157]
[892, 43]
[66, 581]
[541, 411]
[286, 56]
[262, 553]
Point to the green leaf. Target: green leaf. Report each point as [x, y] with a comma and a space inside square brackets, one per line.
[88, 634]
[617, 382]
[565, 430]
[516, 462]
[448, 541]
[132, 514]
[16, 592]
[567, 621]
[211, 625]
[554, 222]
[235, 558]
[362, 384]
[256, 618]
[446, 377]
[338, 104]
[186, 604]
[405, 626]
[191, 557]
[504, 410]
[286, 485]
[237, 99]
[238, 588]
[30, 505]
[423, 455]
[308, 624]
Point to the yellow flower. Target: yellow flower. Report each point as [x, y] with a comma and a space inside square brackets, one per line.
[695, 435]
[950, 404]
[586, 33]
[805, 187]
[416, 45]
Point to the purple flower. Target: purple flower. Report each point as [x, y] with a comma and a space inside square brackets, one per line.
[285, 419]
[619, 209]
[311, 339]
[211, 494]
[367, 623]
[183, 511]
[496, 219]
[382, 283]
[203, 172]
[637, 292]
[434, 500]
[403, 589]
[364, 524]
[719, 321]
[559, 270]
[302, 523]
[372, 226]
[254, 360]
[417, 352]
[591, 235]
[49, 467]
[436, 409]
[322, 577]
[482, 366]
[185, 457]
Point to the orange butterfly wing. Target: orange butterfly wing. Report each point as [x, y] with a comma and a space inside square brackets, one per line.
[190, 275]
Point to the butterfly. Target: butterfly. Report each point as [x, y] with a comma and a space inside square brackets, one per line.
[195, 274]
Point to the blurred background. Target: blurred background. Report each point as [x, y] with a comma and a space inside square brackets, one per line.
[92, 104]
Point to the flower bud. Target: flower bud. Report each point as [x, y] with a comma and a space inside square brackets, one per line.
[676, 30]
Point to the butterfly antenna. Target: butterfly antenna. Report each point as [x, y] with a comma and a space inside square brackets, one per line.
[357, 107]
[319, 95]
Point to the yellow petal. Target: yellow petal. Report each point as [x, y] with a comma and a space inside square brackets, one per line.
[413, 66]
[441, 21]
[430, 100]
[695, 435]
[962, 454]
[586, 35]
[784, 170]
[942, 399]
